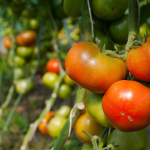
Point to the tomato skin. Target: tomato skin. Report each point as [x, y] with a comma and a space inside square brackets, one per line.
[90, 69]
[113, 10]
[138, 62]
[19, 61]
[126, 105]
[34, 23]
[143, 29]
[128, 140]
[7, 42]
[87, 123]
[26, 38]
[53, 66]
[63, 111]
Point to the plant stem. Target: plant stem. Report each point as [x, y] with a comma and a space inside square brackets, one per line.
[63, 136]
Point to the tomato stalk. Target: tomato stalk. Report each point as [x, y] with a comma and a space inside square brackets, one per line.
[63, 136]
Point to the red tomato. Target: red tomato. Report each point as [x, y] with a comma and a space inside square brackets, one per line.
[53, 65]
[26, 38]
[138, 62]
[7, 42]
[91, 69]
[126, 105]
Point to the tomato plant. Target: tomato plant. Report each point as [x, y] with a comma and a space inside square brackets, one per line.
[91, 69]
[19, 61]
[7, 42]
[138, 62]
[18, 73]
[24, 51]
[86, 147]
[53, 65]
[69, 81]
[143, 29]
[87, 123]
[126, 105]
[128, 140]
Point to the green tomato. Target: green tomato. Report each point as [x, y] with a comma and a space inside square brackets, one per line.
[94, 108]
[55, 125]
[34, 24]
[143, 29]
[64, 91]
[35, 51]
[128, 140]
[109, 9]
[50, 79]
[118, 30]
[63, 111]
[68, 81]
[18, 73]
[100, 39]
[22, 84]
[73, 7]
[86, 147]
[19, 61]
[24, 51]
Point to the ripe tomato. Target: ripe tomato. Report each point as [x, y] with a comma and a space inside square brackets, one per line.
[87, 123]
[128, 140]
[49, 79]
[7, 42]
[55, 125]
[53, 65]
[63, 111]
[138, 62]
[26, 38]
[43, 125]
[64, 91]
[24, 51]
[119, 26]
[126, 105]
[109, 9]
[91, 69]
[94, 108]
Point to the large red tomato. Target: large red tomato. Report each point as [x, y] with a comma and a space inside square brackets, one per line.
[138, 62]
[91, 69]
[26, 38]
[126, 105]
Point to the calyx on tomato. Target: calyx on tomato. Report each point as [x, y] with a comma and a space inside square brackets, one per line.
[126, 105]
[91, 69]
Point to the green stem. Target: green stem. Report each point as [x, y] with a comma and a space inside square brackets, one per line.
[63, 136]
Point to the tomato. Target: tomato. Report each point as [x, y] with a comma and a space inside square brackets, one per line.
[128, 140]
[143, 29]
[119, 26]
[74, 11]
[26, 38]
[18, 73]
[24, 51]
[100, 39]
[63, 111]
[53, 65]
[50, 79]
[43, 125]
[94, 108]
[68, 81]
[64, 91]
[34, 23]
[86, 147]
[91, 69]
[109, 9]
[55, 125]
[7, 42]
[126, 105]
[138, 62]
[87, 123]
[19, 61]
[22, 84]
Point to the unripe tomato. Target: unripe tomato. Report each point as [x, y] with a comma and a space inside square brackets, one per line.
[55, 125]
[19, 61]
[18, 73]
[69, 81]
[86, 147]
[63, 111]
[50, 79]
[90, 69]
[143, 29]
[126, 105]
[43, 125]
[22, 84]
[87, 123]
[53, 65]
[7, 42]
[64, 91]
[128, 140]
[138, 62]
[109, 9]
[26, 38]
[34, 24]
[24, 51]
[94, 108]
